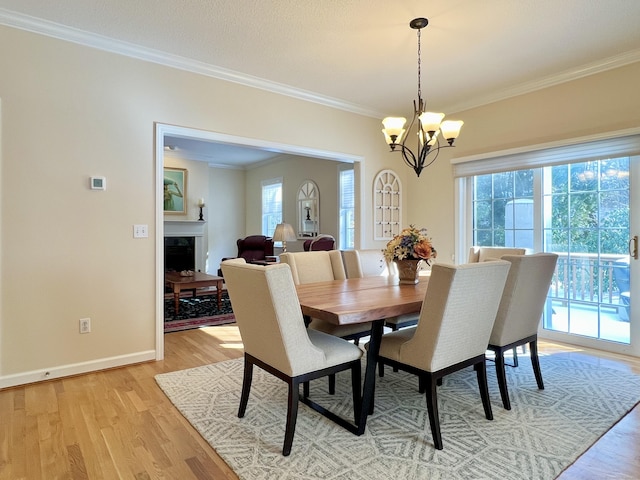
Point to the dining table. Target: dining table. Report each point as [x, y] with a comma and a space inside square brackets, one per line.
[361, 300]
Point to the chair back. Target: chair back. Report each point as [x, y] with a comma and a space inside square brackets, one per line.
[311, 267]
[321, 242]
[364, 263]
[457, 314]
[524, 297]
[269, 318]
[483, 254]
[255, 247]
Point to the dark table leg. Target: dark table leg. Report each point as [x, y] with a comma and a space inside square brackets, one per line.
[176, 297]
[219, 293]
[368, 391]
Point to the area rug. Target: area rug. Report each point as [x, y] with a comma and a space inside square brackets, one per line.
[545, 431]
[195, 312]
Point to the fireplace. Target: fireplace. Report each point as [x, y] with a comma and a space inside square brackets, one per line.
[179, 254]
[184, 245]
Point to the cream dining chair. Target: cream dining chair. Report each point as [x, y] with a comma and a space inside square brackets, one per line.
[486, 254]
[453, 332]
[322, 266]
[483, 254]
[267, 311]
[520, 311]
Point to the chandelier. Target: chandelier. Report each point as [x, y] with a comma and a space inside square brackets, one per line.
[429, 126]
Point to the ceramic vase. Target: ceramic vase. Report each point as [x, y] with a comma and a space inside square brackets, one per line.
[408, 271]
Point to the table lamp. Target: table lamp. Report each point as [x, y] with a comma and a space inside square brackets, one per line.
[284, 233]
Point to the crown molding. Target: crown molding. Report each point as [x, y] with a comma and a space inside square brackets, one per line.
[576, 73]
[81, 37]
[100, 42]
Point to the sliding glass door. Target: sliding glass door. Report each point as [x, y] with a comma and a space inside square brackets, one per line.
[582, 212]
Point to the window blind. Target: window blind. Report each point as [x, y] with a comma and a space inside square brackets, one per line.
[614, 145]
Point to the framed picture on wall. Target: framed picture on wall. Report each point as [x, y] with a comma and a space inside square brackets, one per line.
[175, 190]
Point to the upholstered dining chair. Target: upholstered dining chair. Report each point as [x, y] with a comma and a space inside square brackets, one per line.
[275, 339]
[483, 254]
[520, 311]
[371, 263]
[322, 266]
[453, 331]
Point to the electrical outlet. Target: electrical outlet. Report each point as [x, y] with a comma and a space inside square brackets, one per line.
[85, 325]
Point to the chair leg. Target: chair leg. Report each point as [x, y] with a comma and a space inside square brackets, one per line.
[515, 357]
[292, 416]
[332, 384]
[380, 369]
[305, 390]
[356, 385]
[432, 408]
[502, 380]
[536, 363]
[481, 372]
[246, 387]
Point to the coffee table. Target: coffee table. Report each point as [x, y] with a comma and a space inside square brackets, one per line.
[177, 283]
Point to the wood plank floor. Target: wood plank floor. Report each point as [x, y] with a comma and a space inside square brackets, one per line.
[117, 424]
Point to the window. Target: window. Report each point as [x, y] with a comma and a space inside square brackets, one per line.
[347, 222]
[271, 205]
[503, 209]
[574, 200]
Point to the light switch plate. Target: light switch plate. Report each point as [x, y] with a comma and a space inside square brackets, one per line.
[140, 231]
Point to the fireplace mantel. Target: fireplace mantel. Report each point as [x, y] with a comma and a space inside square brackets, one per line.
[189, 228]
[184, 228]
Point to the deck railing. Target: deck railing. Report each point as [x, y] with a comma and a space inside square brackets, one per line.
[588, 278]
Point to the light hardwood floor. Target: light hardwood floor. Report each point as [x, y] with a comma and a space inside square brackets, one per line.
[117, 424]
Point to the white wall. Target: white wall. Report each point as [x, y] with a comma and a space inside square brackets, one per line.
[67, 252]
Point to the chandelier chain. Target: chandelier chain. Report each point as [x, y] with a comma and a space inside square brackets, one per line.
[419, 69]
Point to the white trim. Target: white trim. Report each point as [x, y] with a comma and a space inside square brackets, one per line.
[604, 145]
[76, 369]
[100, 42]
[81, 37]
[161, 130]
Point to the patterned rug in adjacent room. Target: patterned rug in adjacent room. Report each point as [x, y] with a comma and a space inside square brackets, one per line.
[200, 311]
[542, 435]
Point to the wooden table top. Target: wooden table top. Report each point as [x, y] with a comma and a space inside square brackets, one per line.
[360, 300]
[175, 277]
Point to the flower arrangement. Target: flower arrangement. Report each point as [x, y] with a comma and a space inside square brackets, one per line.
[411, 243]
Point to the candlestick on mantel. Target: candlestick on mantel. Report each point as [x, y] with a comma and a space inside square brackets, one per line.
[201, 205]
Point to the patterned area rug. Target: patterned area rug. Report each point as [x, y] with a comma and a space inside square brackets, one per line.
[200, 311]
[545, 431]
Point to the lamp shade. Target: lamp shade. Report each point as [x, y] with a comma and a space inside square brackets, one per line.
[393, 129]
[451, 128]
[284, 233]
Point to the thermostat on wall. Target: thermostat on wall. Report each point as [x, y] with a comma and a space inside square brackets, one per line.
[98, 183]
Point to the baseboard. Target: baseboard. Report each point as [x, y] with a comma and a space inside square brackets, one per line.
[75, 369]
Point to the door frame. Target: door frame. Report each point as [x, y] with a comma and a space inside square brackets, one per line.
[162, 129]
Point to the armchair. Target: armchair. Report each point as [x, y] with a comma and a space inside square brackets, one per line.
[254, 249]
[321, 242]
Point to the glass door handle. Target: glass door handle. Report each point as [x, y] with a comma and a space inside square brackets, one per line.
[633, 247]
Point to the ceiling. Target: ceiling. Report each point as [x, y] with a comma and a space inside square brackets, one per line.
[359, 55]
